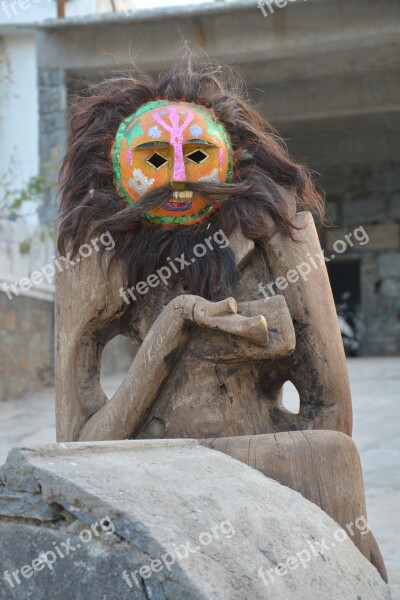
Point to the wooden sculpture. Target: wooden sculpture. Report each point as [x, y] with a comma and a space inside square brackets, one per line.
[212, 228]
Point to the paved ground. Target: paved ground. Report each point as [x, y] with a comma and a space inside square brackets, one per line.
[375, 386]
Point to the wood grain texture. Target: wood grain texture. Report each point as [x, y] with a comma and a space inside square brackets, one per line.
[317, 368]
[88, 311]
[215, 377]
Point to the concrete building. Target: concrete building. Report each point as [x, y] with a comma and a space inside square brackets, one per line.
[324, 72]
[26, 318]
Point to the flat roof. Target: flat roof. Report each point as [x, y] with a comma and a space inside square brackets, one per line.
[206, 8]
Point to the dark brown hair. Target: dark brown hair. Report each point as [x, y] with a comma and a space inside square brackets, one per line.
[90, 203]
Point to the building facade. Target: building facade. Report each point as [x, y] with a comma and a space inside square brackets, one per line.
[325, 73]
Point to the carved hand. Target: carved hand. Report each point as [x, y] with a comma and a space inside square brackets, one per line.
[223, 316]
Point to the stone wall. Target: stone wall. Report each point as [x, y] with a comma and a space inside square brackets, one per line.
[26, 345]
[368, 195]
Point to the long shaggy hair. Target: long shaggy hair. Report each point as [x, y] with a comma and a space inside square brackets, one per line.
[90, 204]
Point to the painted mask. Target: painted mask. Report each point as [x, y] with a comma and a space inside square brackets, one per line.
[171, 143]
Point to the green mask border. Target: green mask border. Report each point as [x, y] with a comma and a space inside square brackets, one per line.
[117, 150]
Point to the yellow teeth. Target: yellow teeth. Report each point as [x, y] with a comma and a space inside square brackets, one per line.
[182, 195]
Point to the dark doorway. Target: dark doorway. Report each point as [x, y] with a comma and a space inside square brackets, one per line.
[345, 277]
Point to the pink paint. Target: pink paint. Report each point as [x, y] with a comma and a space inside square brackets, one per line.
[128, 157]
[176, 138]
[221, 157]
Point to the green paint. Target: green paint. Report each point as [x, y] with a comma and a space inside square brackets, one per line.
[134, 131]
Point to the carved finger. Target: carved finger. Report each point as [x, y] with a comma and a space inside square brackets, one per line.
[204, 310]
[254, 329]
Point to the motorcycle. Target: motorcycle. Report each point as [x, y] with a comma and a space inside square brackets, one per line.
[348, 326]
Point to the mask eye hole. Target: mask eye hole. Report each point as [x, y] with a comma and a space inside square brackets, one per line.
[156, 160]
[198, 156]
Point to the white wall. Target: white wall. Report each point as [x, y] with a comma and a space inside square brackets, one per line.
[16, 263]
[19, 111]
[19, 142]
[19, 161]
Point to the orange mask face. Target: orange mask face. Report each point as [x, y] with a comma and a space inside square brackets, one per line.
[171, 143]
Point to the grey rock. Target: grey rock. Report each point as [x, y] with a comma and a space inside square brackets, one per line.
[28, 506]
[221, 520]
[92, 571]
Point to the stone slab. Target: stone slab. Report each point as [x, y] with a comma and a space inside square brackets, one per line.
[159, 497]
